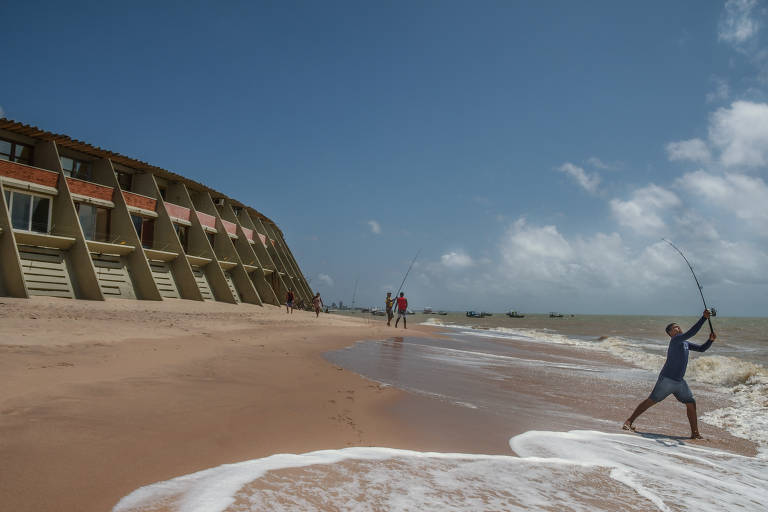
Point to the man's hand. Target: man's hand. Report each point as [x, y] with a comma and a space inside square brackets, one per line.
[712, 336]
[706, 313]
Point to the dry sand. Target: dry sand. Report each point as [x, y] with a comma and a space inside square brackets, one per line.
[98, 399]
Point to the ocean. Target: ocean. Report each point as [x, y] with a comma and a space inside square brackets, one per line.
[580, 376]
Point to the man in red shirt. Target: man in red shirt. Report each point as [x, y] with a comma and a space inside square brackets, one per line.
[402, 309]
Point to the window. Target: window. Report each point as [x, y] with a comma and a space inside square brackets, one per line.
[162, 193]
[15, 152]
[183, 233]
[125, 180]
[28, 211]
[145, 228]
[74, 168]
[94, 220]
[211, 238]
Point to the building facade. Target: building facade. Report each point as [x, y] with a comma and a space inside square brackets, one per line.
[81, 222]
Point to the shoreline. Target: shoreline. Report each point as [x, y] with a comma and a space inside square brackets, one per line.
[112, 402]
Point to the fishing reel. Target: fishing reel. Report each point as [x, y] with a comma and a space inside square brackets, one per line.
[712, 312]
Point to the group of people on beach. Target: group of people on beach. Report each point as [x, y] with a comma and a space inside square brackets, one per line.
[317, 303]
[402, 308]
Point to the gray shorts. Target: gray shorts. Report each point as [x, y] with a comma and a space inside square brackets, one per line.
[666, 386]
[401, 314]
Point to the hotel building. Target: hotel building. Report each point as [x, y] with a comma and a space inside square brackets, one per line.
[81, 222]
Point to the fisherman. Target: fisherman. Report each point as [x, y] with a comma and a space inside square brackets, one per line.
[289, 302]
[670, 379]
[389, 303]
[402, 309]
[318, 303]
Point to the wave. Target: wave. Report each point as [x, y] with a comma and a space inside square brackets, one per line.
[579, 470]
[745, 383]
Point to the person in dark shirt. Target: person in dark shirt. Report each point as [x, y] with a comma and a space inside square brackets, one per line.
[670, 379]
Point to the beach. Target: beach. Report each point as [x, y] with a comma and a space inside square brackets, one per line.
[99, 400]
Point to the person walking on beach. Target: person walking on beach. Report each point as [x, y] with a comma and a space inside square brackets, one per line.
[670, 379]
[389, 304]
[402, 309]
[318, 303]
[289, 302]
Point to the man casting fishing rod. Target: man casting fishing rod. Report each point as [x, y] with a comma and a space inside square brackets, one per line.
[671, 379]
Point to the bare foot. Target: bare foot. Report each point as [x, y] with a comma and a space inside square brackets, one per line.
[696, 435]
[628, 426]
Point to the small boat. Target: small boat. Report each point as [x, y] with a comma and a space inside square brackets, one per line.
[378, 312]
[514, 314]
[475, 314]
[441, 312]
[555, 315]
[427, 311]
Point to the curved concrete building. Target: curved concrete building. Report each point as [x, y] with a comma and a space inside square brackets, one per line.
[81, 222]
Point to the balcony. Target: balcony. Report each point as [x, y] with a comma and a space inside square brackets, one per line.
[263, 239]
[91, 192]
[248, 234]
[139, 202]
[27, 177]
[208, 222]
[230, 228]
[178, 214]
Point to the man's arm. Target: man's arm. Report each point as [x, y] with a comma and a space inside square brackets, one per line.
[693, 330]
[704, 347]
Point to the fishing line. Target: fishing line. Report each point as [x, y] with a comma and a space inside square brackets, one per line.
[397, 294]
[714, 313]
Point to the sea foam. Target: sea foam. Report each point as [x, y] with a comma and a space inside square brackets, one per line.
[578, 470]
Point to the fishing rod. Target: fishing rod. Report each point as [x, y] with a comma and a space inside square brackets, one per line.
[406, 274]
[714, 313]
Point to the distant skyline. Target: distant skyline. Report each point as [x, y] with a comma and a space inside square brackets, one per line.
[536, 153]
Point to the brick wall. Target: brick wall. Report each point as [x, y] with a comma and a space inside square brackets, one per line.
[207, 220]
[230, 227]
[177, 211]
[31, 174]
[86, 188]
[139, 201]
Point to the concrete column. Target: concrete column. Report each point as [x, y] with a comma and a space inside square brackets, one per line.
[200, 246]
[290, 262]
[12, 282]
[225, 250]
[281, 266]
[275, 280]
[66, 223]
[122, 225]
[248, 256]
[166, 239]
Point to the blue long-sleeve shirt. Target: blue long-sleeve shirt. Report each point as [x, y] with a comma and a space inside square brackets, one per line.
[677, 352]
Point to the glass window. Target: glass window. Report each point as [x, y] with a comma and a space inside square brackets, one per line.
[15, 152]
[40, 208]
[20, 210]
[95, 222]
[183, 238]
[6, 150]
[145, 228]
[76, 168]
[28, 212]
[125, 180]
[211, 238]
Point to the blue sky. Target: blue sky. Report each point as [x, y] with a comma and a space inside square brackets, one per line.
[535, 152]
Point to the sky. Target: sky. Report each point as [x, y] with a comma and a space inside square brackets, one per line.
[533, 154]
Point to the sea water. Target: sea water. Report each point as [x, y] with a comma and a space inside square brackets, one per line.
[593, 468]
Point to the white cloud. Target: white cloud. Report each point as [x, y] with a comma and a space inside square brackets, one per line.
[643, 212]
[455, 259]
[741, 133]
[695, 150]
[588, 182]
[722, 91]
[738, 24]
[744, 196]
[596, 162]
[375, 227]
[325, 278]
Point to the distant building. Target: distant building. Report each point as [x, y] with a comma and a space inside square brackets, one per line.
[82, 222]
